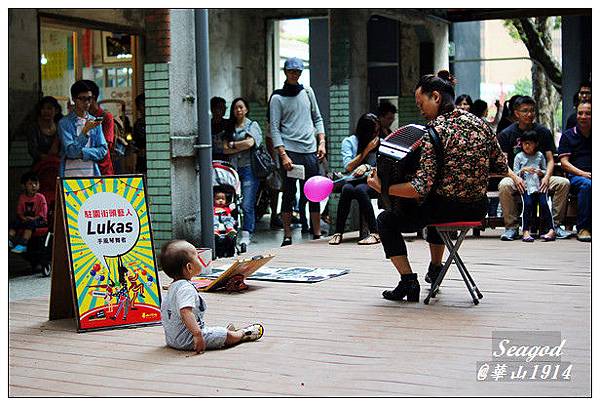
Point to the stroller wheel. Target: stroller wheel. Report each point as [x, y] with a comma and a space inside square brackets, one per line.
[242, 247]
[46, 270]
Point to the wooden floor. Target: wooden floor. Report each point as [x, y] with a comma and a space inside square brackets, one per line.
[333, 338]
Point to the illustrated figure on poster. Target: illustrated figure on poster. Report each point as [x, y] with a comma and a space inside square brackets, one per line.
[124, 302]
[135, 287]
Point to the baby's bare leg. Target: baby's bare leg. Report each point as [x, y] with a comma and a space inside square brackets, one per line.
[233, 337]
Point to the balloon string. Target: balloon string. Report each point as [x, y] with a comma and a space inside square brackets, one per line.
[347, 177]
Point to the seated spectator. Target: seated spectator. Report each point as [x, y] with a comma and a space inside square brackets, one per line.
[42, 134]
[108, 128]
[358, 157]
[386, 114]
[217, 127]
[575, 153]
[480, 109]
[512, 186]
[508, 114]
[82, 141]
[32, 213]
[464, 102]
[139, 133]
[584, 94]
[530, 165]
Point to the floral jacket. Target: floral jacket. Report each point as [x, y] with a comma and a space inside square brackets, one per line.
[471, 153]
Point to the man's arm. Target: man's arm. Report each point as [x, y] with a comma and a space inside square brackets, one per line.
[545, 181]
[98, 151]
[568, 167]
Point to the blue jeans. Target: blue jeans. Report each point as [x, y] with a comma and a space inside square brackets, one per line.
[583, 187]
[529, 203]
[250, 184]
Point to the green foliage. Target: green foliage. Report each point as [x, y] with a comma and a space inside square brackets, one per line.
[523, 87]
[512, 30]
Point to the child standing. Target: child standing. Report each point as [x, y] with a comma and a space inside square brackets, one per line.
[182, 309]
[530, 164]
[32, 213]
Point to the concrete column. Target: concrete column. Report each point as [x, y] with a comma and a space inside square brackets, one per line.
[467, 40]
[439, 34]
[185, 199]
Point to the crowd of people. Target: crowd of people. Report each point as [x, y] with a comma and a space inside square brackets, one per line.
[295, 137]
[86, 141]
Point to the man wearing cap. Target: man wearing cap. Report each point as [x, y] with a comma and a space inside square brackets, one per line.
[294, 118]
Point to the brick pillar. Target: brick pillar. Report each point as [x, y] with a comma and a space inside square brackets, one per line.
[158, 36]
[156, 88]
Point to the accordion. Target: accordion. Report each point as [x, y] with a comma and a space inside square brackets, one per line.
[398, 159]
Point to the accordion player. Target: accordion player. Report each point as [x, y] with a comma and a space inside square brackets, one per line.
[398, 158]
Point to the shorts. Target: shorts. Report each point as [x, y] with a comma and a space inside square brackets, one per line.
[214, 337]
[28, 225]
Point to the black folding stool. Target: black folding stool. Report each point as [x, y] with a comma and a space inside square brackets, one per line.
[445, 230]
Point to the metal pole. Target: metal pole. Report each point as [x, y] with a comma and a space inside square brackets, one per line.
[204, 134]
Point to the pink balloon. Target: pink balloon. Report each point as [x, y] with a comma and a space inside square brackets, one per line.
[318, 188]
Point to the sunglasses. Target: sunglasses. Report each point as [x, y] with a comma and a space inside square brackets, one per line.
[88, 99]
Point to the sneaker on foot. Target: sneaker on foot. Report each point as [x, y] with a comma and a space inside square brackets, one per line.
[561, 233]
[245, 238]
[510, 234]
[19, 249]
[286, 241]
[252, 332]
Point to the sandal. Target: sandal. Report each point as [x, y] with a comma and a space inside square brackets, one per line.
[547, 237]
[371, 239]
[529, 238]
[335, 239]
[252, 332]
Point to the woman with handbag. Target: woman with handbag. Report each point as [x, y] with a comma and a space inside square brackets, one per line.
[241, 137]
[359, 156]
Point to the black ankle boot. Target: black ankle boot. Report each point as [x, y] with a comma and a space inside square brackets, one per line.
[408, 286]
[432, 273]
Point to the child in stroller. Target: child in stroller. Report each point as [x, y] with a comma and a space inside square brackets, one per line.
[225, 226]
[226, 192]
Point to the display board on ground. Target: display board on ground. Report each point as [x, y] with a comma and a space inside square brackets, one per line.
[105, 237]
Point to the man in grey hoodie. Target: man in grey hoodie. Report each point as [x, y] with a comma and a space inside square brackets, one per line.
[294, 118]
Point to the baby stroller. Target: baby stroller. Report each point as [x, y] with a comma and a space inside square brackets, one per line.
[225, 179]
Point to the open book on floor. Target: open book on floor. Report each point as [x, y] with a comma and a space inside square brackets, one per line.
[233, 278]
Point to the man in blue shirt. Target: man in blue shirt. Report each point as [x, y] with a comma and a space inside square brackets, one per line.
[81, 138]
[512, 187]
[575, 153]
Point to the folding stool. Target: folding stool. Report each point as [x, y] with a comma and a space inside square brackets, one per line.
[445, 230]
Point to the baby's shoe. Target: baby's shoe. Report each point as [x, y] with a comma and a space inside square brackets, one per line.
[252, 332]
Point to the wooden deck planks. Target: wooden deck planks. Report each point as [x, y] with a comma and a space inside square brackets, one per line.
[333, 338]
